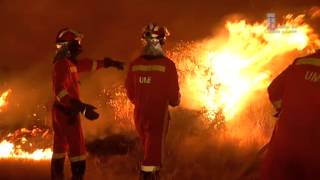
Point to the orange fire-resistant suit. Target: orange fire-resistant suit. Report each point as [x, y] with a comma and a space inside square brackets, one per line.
[294, 151]
[66, 125]
[152, 85]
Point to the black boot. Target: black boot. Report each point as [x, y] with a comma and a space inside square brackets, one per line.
[155, 175]
[57, 168]
[78, 169]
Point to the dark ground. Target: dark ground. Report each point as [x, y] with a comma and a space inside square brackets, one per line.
[194, 151]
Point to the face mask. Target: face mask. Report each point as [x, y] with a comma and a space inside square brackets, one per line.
[153, 47]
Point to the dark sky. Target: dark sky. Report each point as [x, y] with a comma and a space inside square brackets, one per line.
[113, 27]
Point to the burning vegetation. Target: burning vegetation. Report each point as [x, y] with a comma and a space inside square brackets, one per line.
[225, 116]
[224, 119]
[33, 144]
[222, 74]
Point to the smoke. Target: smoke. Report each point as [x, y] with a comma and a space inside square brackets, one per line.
[112, 28]
[30, 98]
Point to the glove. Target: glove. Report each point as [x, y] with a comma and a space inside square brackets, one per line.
[89, 112]
[108, 62]
[86, 109]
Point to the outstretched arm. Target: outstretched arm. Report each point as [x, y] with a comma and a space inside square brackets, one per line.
[87, 65]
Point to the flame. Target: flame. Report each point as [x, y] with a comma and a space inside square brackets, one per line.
[15, 145]
[3, 99]
[9, 150]
[222, 74]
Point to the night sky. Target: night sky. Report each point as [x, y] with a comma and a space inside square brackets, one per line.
[113, 28]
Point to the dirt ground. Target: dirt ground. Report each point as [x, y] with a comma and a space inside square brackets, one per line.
[190, 154]
[195, 149]
[117, 167]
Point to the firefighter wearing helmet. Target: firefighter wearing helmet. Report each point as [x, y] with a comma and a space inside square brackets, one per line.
[294, 149]
[152, 85]
[68, 136]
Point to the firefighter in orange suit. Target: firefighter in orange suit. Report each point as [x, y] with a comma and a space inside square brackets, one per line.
[152, 85]
[68, 136]
[294, 151]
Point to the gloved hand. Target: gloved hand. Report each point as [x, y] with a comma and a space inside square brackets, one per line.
[86, 109]
[108, 62]
[90, 113]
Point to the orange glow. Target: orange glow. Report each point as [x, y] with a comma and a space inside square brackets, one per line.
[14, 144]
[223, 73]
[3, 99]
[14, 150]
[9, 150]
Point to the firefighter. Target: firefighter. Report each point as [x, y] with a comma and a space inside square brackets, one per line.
[68, 136]
[152, 85]
[294, 150]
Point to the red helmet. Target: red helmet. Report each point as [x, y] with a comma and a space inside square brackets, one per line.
[68, 35]
[154, 31]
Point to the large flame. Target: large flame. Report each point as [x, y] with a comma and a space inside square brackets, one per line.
[3, 99]
[222, 74]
